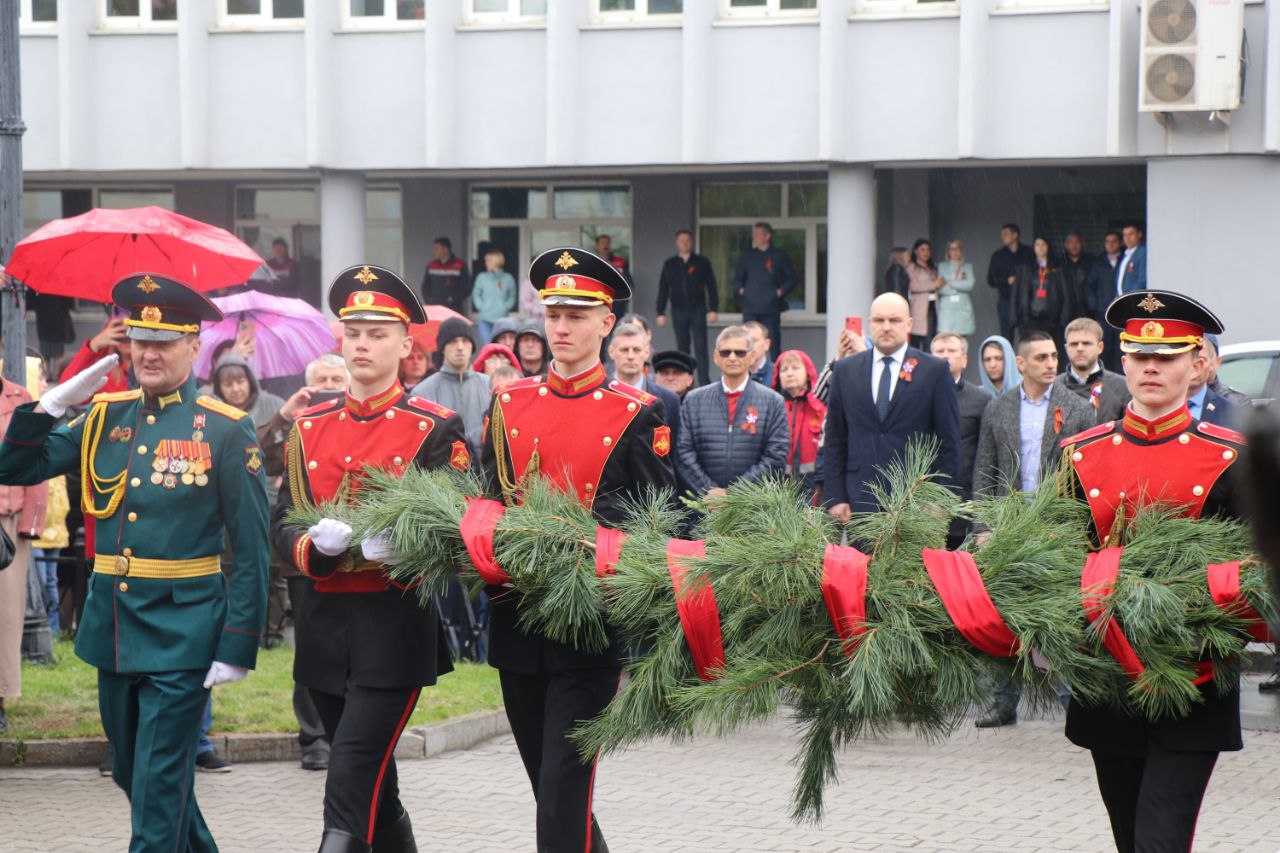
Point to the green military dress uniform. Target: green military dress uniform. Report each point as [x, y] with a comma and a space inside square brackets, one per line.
[164, 477]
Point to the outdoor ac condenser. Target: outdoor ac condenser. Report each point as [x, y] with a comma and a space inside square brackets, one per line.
[1191, 52]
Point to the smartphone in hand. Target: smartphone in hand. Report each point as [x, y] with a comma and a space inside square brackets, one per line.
[854, 325]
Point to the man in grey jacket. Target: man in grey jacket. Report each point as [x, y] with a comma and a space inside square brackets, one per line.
[1018, 449]
[734, 429]
[1104, 391]
[455, 385]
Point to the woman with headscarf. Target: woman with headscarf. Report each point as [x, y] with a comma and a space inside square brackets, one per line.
[998, 368]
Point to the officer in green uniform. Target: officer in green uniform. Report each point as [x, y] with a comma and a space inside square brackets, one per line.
[166, 474]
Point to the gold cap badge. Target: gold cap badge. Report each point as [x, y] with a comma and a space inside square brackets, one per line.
[151, 314]
[566, 282]
[1152, 329]
[1151, 305]
[365, 276]
[566, 260]
[147, 285]
[362, 298]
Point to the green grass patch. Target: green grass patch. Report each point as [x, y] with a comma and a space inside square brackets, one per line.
[61, 700]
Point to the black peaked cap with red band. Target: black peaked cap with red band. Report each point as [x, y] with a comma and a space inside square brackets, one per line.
[1161, 322]
[569, 276]
[370, 292]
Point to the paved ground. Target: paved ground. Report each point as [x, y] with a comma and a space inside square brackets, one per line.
[1016, 789]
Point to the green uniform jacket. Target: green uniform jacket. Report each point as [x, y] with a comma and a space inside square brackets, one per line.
[139, 624]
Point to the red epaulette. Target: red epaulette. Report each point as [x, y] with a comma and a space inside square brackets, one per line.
[422, 404]
[631, 392]
[321, 408]
[1215, 431]
[1093, 432]
[525, 383]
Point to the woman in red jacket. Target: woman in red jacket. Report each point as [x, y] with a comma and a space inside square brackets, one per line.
[794, 377]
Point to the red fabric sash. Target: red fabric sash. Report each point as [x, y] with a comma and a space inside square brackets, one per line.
[1101, 568]
[477, 527]
[1224, 586]
[844, 589]
[955, 576]
[698, 614]
[608, 550]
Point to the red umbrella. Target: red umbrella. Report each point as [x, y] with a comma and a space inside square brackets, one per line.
[83, 256]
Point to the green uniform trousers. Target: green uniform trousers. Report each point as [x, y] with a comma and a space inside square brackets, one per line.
[153, 723]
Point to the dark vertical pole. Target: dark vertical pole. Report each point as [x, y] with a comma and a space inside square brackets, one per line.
[14, 325]
[36, 642]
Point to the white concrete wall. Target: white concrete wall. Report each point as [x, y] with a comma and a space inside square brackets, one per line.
[931, 87]
[1211, 229]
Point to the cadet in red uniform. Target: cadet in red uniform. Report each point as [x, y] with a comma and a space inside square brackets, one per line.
[608, 443]
[1152, 775]
[365, 646]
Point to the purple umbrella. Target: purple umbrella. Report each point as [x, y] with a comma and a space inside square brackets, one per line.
[288, 333]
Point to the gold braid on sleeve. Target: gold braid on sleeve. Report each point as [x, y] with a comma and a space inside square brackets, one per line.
[297, 470]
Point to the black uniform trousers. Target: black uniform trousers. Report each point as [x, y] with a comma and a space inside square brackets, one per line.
[692, 323]
[1153, 800]
[362, 788]
[311, 734]
[543, 708]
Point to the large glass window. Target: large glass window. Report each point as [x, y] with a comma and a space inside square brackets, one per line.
[384, 228]
[636, 10]
[118, 199]
[40, 207]
[525, 220]
[797, 210]
[38, 16]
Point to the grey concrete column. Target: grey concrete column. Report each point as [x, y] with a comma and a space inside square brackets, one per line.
[321, 20]
[851, 246]
[342, 222]
[833, 30]
[563, 61]
[971, 78]
[193, 84]
[442, 84]
[75, 122]
[696, 86]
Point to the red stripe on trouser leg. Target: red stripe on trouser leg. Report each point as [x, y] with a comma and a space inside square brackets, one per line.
[386, 758]
[591, 783]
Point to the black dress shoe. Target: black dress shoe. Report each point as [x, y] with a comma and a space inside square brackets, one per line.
[337, 841]
[1271, 685]
[315, 759]
[997, 718]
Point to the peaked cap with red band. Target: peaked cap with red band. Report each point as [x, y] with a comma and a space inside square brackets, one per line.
[1161, 322]
[369, 292]
[568, 276]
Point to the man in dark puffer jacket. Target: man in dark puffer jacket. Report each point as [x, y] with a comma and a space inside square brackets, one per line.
[734, 429]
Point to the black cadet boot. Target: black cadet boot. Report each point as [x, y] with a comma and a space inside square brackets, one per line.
[395, 836]
[337, 841]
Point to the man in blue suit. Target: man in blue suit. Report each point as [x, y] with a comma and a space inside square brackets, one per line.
[1205, 403]
[1131, 273]
[879, 400]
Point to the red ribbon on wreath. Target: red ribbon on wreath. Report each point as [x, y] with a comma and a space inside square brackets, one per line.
[844, 589]
[697, 610]
[477, 527]
[959, 583]
[608, 550]
[1224, 587]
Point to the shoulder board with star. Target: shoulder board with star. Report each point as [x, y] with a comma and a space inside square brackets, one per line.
[1221, 432]
[631, 392]
[525, 384]
[321, 408]
[1089, 434]
[421, 404]
[227, 410]
[117, 396]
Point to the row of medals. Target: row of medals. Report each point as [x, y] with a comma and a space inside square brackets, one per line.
[168, 469]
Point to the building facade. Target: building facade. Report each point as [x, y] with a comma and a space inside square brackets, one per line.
[363, 129]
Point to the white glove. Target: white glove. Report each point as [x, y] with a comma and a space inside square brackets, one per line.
[378, 549]
[330, 536]
[224, 673]
[78, 388]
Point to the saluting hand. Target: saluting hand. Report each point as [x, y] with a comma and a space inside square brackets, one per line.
[80, 387]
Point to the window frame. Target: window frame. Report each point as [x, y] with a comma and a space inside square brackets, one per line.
[528, 223]
[771, 11]
[783, 222]
[639, 15]
[511, 17]
[29, 27]
[377, 222]
[263, 20]
[142, 22]
[1046, 7]
[348, 22]
[864, 9]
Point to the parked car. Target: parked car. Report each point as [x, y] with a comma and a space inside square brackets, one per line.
[1252, 368]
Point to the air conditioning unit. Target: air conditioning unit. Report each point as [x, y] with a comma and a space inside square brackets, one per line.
[1191, 55]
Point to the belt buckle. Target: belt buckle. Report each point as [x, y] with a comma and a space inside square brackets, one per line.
[122, 566]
